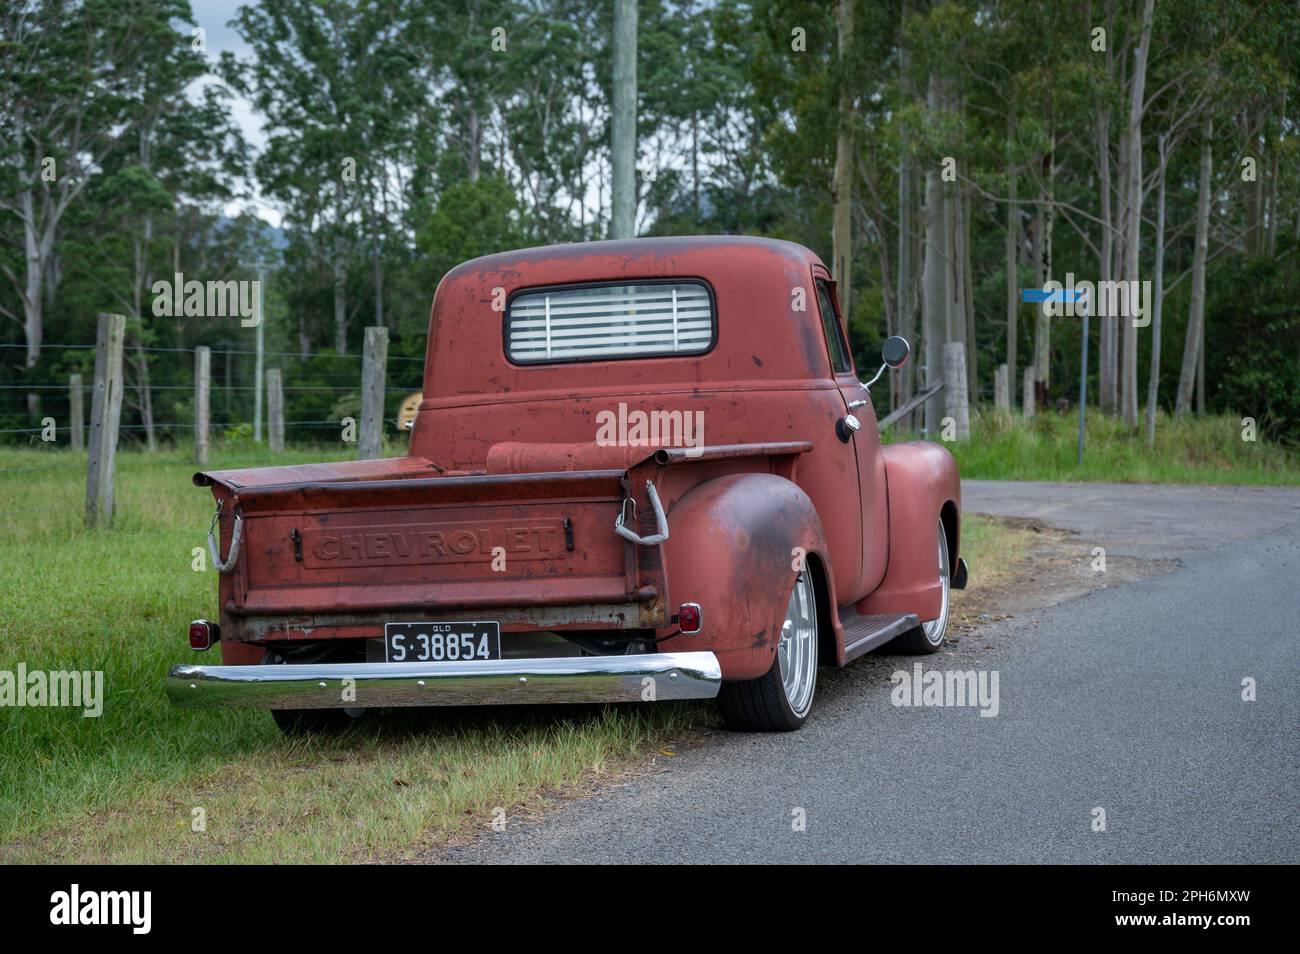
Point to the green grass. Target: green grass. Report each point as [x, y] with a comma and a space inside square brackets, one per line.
[1205, 450]
[122, 786]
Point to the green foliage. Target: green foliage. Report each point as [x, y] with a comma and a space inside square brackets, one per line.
[1254, 354]
[405, 137]
[1207, 449]
[471, 219]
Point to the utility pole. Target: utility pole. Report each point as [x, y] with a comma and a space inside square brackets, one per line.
[622, 219]
[261, 265]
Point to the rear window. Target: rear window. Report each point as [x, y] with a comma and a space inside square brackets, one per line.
[591, 322]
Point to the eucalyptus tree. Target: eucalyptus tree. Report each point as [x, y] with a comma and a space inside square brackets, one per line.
[328, 75]
[68, 75]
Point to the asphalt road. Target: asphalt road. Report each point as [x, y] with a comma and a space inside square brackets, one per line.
[1128, 699]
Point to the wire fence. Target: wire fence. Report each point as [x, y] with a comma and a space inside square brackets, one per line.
[319, 392]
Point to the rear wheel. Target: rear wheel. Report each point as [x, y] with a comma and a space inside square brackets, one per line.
[781, 699]
[930, 635]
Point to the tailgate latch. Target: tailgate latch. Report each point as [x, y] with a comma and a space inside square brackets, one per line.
[621, 528]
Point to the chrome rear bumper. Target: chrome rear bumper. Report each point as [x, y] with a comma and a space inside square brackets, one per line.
[652, 677]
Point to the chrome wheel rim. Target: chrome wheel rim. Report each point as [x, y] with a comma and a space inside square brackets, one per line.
[796, 651]
[934, 629]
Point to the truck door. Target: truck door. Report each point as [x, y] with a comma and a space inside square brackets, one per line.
[873, 505]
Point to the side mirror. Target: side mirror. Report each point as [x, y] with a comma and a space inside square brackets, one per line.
[895, 351]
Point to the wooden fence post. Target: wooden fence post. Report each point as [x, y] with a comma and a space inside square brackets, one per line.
[1031, 392]
[1001, 390]
[76, 413]
[202, 403]
[954, 388]
[105, 413]
[370, 437]
[274, 410]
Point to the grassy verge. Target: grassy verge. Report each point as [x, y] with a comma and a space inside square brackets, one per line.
[1208, 450]
[126, 786]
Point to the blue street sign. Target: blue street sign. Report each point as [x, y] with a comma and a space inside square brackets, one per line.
[1040, 295]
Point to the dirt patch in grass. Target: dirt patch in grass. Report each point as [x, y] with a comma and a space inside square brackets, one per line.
[1034, 566]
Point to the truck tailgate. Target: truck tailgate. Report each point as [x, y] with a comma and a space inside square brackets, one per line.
[446, 545]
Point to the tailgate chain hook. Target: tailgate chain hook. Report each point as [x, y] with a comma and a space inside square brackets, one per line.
[228, 564]
[661, 520]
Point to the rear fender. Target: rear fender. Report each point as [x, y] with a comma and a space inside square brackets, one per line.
[734, 545]
[923, 488]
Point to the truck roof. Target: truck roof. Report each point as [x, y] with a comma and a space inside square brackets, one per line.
[768, 331]
[678, 249]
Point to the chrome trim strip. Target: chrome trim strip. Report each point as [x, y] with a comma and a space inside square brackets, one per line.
[693, 675]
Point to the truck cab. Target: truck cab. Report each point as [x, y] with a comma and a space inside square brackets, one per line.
[641, 470]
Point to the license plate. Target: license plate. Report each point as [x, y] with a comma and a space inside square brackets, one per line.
[441, 642]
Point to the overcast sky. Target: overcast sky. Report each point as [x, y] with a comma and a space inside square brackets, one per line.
[214, 16]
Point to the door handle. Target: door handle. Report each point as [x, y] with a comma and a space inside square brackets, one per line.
[854, 405]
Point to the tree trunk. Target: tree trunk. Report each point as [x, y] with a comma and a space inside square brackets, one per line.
[142, 281]
[1106, 323]
[954, 310]
[1200, 367]
[1255, 201]
[1043, 272]
[906, 326]
[1117, 271]
[34, 256]
[695, 164]
[144, 394]
[377, 267]
[1270, 236]
[1011, 247]
[1158, 299]
[842, 187]
[934, 284]
[340, 300]
[474, 143]
[1196, 316]
[1133, 209]
[304, 340]
[623, 106]
[967, 281]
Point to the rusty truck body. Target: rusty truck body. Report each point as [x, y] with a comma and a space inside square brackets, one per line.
[641, 470]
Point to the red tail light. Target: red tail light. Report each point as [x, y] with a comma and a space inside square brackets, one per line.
[203, 634]
[690, 618]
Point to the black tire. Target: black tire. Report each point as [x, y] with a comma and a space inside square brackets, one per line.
[300, 722]
[758, 705]
[930, 636]
[763, 704]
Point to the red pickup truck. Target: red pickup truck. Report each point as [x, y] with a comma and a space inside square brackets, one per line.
[641, 470]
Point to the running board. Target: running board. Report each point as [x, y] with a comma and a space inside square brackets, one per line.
[864, 633]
